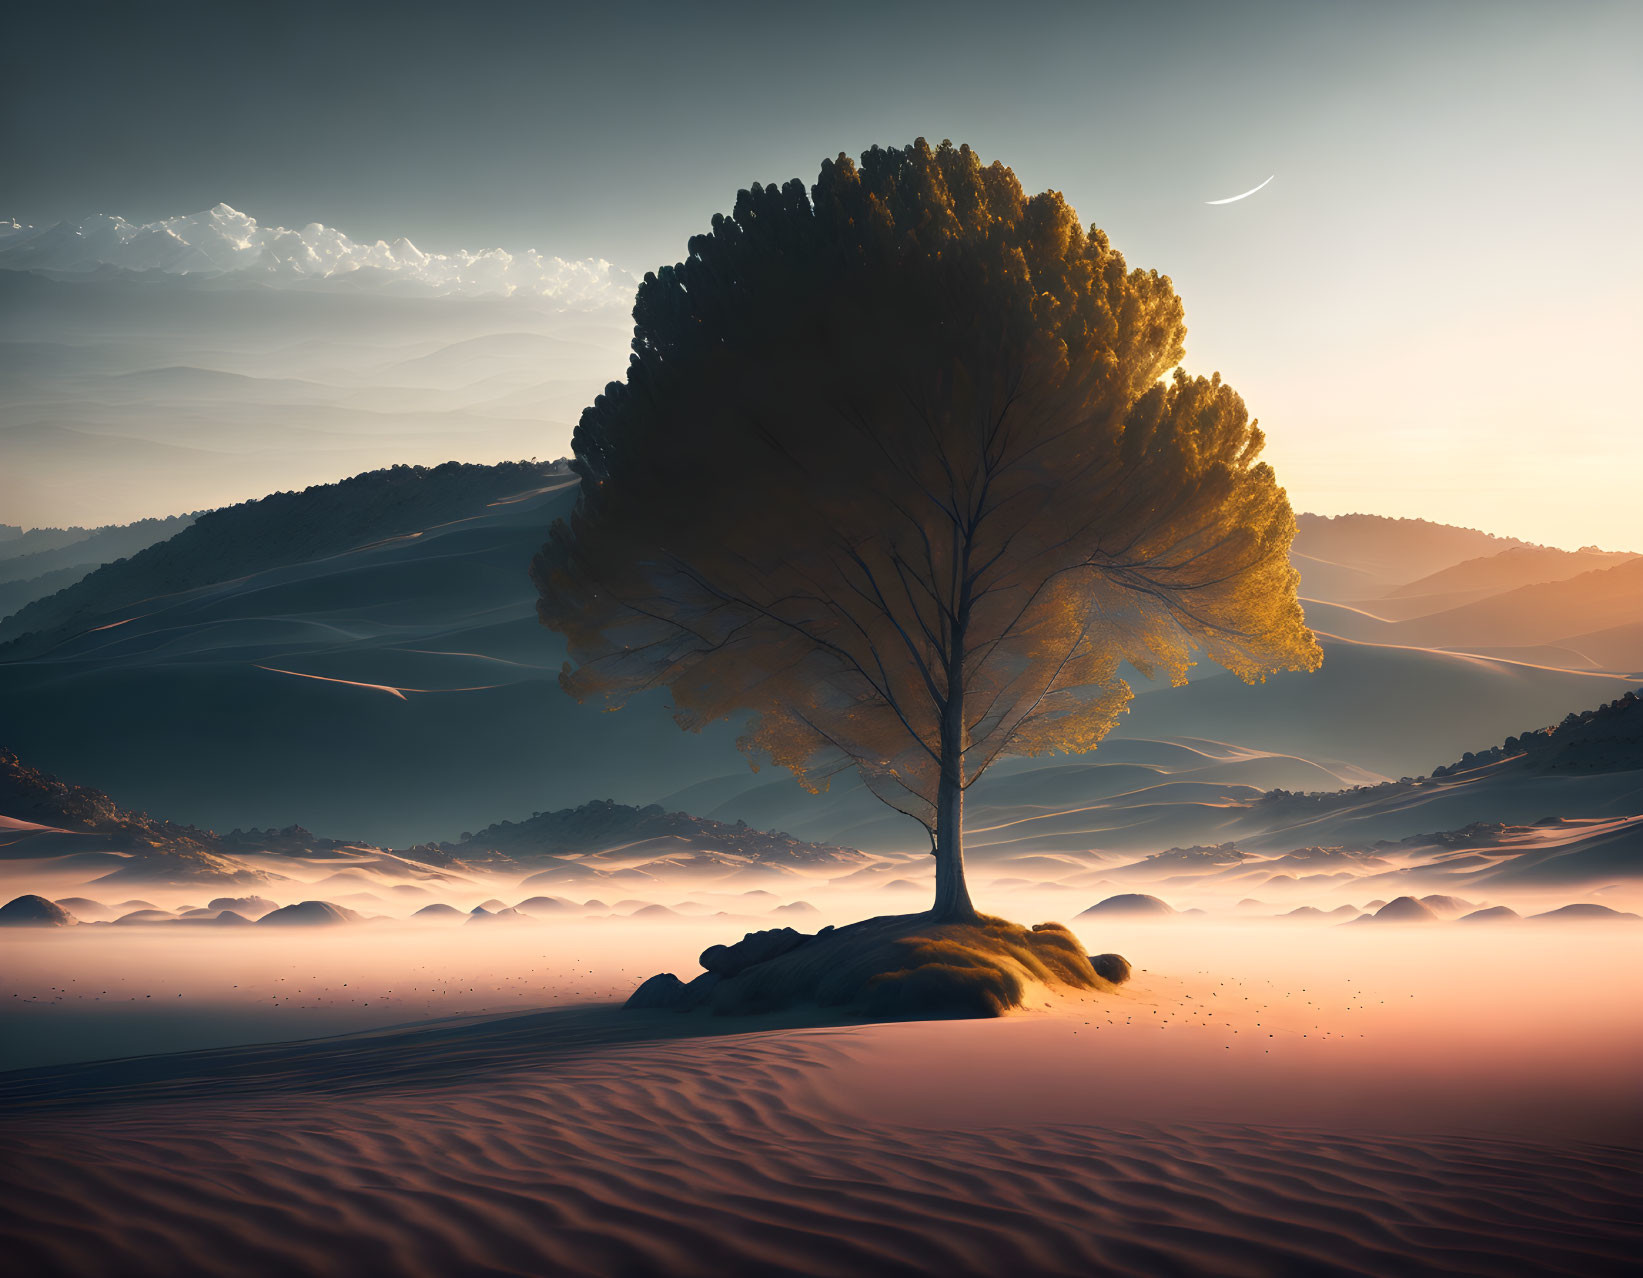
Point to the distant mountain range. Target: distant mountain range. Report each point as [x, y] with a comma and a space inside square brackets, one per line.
[1346, 557]
[1575, 610]
[42, 561]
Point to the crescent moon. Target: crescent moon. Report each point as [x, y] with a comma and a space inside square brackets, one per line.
[1233, 199]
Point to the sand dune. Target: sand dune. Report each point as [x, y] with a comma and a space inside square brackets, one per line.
[599, 1146]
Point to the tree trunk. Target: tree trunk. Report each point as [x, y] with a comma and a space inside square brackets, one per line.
[952, 896]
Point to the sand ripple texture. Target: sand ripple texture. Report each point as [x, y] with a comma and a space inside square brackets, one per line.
[540, 1147]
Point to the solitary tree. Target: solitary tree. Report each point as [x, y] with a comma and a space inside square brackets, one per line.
[900, 472]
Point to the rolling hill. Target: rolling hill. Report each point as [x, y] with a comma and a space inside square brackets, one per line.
[1507, 570]
[364, 657]
[63, 828]
[1557, 613]
[1346, 558]
[370, 667]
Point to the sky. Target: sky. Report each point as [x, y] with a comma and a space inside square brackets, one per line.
[1430, 308]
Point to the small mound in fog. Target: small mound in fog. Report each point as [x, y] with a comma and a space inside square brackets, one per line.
[139, 917]
[1446, 906]
[34, 911]
[1584, 913]
[1130, 905]
[309, 914]
[205, 918]
[547, 905]
[1494, 914]
[438, 910]
[251, 907]
[505, 915]
[1403, 909]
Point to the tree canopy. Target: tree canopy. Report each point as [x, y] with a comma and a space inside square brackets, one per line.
[901, 471]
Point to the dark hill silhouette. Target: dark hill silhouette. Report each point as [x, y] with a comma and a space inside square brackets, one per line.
[1606, 739]
[77, 822]
[274, 531]
[29, 575]
[15, 594]
[28, 794]
[34, 911]
[42, 550]
[16, 540]
[419, 639]
[593, 827]
[309, 914]
[1586, 765]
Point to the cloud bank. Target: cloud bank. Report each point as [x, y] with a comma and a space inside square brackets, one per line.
[222, 242]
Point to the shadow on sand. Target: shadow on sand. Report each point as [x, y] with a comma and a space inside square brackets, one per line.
[426, 1054]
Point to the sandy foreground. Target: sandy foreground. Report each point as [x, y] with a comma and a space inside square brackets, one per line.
[1254, 1103]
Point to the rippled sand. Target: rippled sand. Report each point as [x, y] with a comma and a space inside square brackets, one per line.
[1256, 1101]
[586, 1141]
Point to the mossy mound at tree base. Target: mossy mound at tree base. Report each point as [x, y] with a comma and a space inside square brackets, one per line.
[895, 967]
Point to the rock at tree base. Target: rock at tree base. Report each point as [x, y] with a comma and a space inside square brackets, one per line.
[893, 967]
[666, 992]
[755, 947]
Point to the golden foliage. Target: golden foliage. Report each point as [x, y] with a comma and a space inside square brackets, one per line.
[895, 469]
